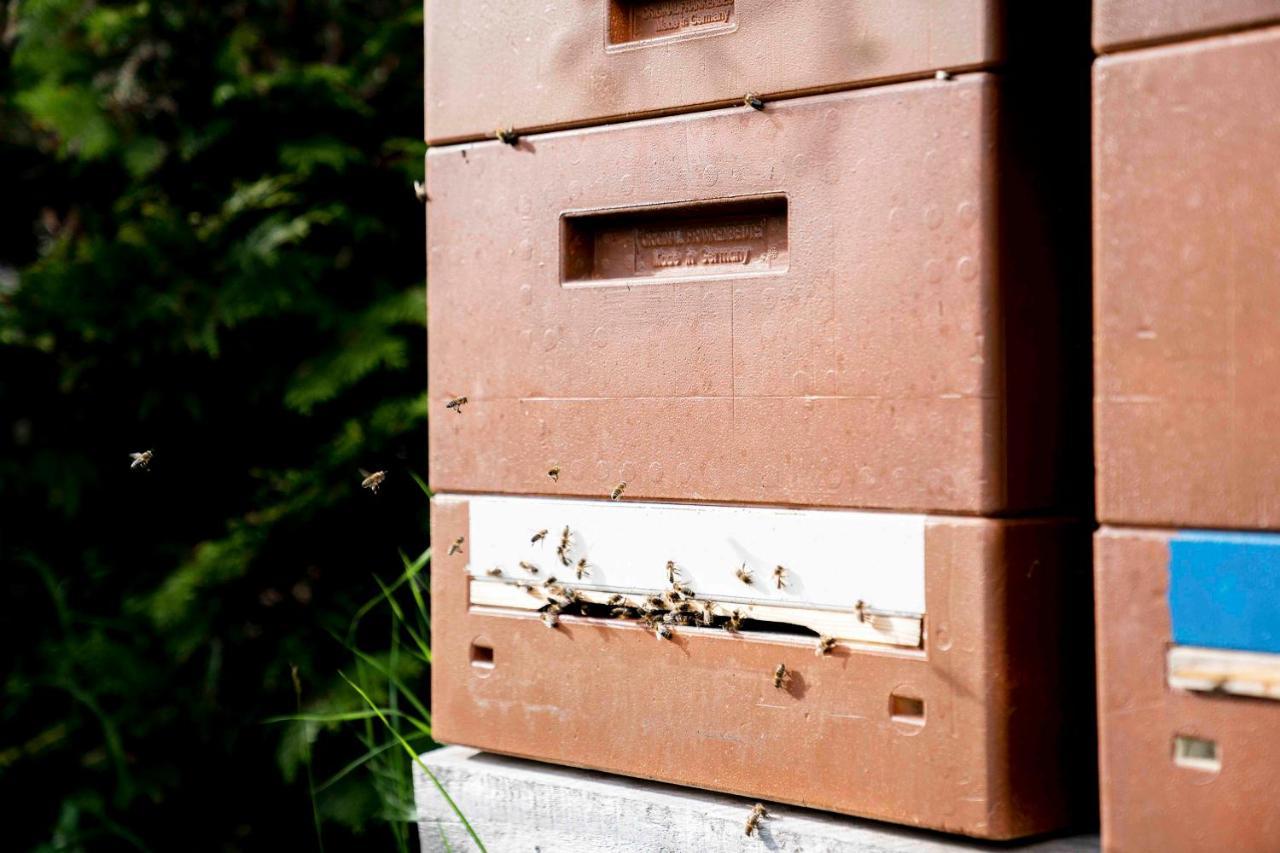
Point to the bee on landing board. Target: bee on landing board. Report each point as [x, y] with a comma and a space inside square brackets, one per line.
[617, 491]
[562, 550]
[554, 474]
[758, 812]
[751, 99]
[538, 537]
[824, 646]
[495, 572]
[744, 575]
[140, 460]
[781, 677]
[529, 567]
[506, 135]
[614, 600]
[456, 547]
[551, 617]
[708, 613]
[456, 404]
[373, 481]
[780, 576]
[663, 631]
[734, 622]
[682, 589]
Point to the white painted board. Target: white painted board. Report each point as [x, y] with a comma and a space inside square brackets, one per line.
[518, 806]
[834, 558]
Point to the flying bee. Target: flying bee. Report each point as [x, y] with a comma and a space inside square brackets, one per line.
[529, 567]
[538, 537]
[663, 631]
[751, 99]
[780, 576]
[420, 190]
[373, 481]
[554, 474]
[734, 622]
[456, 547]
[744, 575]
[781, 678]
[614, 600]
[758, 812]
[140, 460]
[617, 491]
[825, 645]
[672, 571]
[495, 572]
[581, 568]
[456, 404]
[550, 618]
[507, 136]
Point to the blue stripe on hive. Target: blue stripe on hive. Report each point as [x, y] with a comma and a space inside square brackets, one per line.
[1224, 590]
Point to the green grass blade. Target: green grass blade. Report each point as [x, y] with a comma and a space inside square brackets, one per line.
[425, 769]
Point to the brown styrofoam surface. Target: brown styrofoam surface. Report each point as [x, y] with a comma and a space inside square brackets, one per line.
[1186, 302]
[1005, 675]
[550, 64]
[872, 368]
[1148, 803]
[1118, 24]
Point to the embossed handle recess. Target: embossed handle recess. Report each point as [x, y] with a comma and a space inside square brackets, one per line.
[725, 237]
[636, 21]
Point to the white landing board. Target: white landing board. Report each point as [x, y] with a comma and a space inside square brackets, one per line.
[833, 558]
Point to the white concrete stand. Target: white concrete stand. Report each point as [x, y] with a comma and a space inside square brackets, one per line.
[517, 805]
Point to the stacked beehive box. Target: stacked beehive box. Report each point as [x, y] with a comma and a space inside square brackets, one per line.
[1187, 338]
[760, 334]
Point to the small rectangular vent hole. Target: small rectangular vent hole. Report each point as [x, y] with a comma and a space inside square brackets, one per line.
[1196, 753]
[481, 656]
[906, 709]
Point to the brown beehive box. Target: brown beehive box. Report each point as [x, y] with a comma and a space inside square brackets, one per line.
[1187, 309]
[810, 305]
[1181, 770]
[980, 723]
[536, 66]
[1118, 24]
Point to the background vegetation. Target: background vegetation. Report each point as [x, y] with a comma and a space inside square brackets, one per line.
[209, 247]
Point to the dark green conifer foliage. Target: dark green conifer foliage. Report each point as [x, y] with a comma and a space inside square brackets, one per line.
[209, 248]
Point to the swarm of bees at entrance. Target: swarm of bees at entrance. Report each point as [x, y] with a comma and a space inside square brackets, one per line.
[758, 813]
